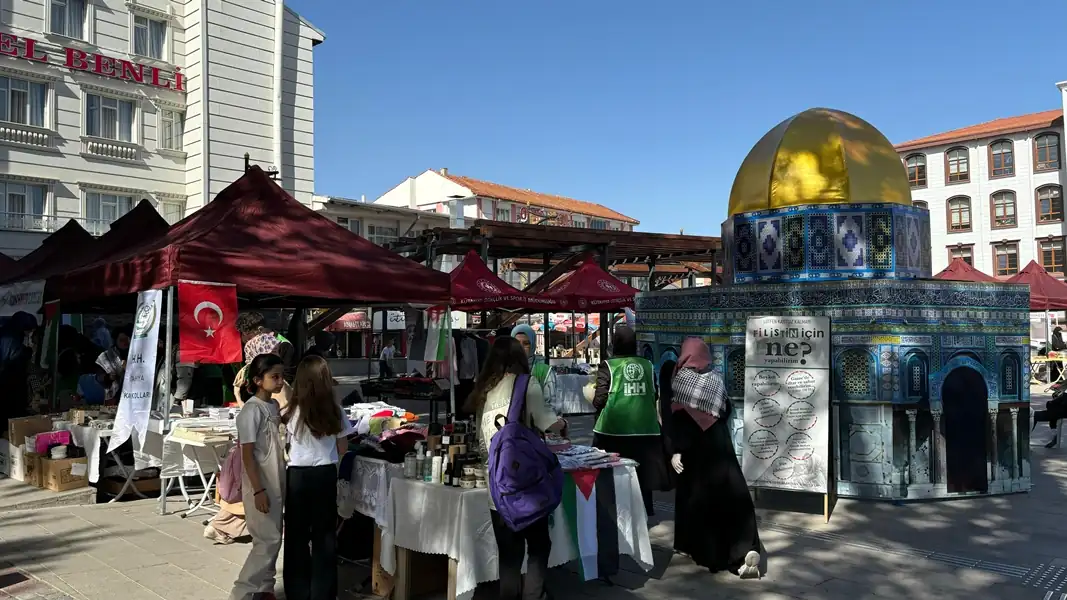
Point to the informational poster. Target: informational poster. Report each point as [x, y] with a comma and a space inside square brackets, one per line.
[26, 296]
[787, 403]
[138, 385]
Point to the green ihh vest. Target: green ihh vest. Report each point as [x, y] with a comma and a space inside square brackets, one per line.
[631, 407]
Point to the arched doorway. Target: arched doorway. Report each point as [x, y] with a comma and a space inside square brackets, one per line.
[964, 399]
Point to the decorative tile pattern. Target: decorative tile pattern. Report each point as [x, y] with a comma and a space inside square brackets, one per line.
[851, 242]
[820, 243]
[793, 242]
[745, 247]
[880, 240]
[913, 242]
[770, 244]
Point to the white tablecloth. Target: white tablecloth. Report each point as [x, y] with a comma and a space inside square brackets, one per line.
[434, 519]
[569, 397]
[368, 488]
[171, 458]
[89, 438]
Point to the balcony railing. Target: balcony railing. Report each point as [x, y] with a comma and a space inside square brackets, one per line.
[49, 223]
[110, 149]
[25, 135]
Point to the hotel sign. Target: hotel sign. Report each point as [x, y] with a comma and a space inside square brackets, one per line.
[98, 64]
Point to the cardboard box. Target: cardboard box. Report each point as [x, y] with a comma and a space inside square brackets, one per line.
[18, 429]
[12, 461]
[33, 470]
[5, 458]
[64, 474]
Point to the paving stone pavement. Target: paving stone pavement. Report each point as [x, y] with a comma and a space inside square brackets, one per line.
[1007, 548]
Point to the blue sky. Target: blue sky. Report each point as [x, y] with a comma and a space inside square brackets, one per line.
[649, 107]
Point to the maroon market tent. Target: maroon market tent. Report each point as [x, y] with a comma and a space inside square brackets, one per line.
[476, 287]
[961, 270]
[258, 237]
[63, 249]
[592, 289]
[1046, 292]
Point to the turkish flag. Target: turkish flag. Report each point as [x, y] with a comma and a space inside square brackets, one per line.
[207, 323]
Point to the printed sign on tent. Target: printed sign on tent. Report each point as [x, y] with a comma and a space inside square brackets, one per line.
[135, 403]
[207, 323]
[787, 403]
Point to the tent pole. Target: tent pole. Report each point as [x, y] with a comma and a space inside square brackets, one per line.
[370, 344]
[168, 366]
[451, 365]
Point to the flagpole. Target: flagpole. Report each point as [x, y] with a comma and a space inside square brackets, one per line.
[168, 365]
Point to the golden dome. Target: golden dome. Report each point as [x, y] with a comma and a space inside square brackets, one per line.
[820, 156]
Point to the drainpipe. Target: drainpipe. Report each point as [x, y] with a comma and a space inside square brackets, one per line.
[279, 49]
[205, 107]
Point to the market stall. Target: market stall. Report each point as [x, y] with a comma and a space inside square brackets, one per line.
[961, 270]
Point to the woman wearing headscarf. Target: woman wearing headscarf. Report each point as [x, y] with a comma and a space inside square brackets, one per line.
[628, 420]
[262, 343]
[714, 519]
[539, 367]
[112, 363]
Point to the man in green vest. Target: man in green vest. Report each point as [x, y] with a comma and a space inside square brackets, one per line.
[628, 416]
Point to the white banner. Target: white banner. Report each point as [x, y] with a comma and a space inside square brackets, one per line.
[26, 296]
[135, 404]
[787, 403]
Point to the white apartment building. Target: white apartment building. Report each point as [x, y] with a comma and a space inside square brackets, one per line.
[994, 191]
[102, 104]
[442, 192]
[378, 223]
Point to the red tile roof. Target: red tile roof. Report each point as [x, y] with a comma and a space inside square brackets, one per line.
[1003, 126]
[511, 194]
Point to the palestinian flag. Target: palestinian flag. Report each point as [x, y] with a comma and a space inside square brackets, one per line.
[590, 505]
[437, 335]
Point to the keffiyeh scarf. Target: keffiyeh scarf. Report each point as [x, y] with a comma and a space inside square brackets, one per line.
[264, 343]
[702, 395]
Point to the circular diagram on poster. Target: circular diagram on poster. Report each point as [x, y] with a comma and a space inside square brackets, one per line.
[801, 415]
[782, 468]
[766, 383]
[800, 446]
[762, 444]
[800, 384]
[768, 412]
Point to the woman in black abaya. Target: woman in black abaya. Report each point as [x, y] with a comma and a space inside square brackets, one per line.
[714, 520]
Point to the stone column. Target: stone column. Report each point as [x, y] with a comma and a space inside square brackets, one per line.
[991, 455]
[939, 474]
[1014, 442]
[912, 415]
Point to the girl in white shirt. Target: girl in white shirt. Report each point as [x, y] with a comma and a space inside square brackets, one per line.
[318, 435]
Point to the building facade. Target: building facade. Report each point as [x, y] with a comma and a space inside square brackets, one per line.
[378, 223]
[994, 191]
[102, 104]
[445, 193]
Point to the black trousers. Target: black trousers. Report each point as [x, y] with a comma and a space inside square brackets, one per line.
[512, 547]
[385, 369]
[310, 566]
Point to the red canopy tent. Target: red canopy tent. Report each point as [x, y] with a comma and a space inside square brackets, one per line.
[1046, 292]
[258, 237]
[62, 249]
[961, 270]
[476, 287]
[7, 265]
[592, 289]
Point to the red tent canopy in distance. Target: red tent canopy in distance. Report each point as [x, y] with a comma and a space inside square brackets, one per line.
[961, 270]
[592, 289]
[61, 250]
[1046, 292]
[256, 236]
[476, 287]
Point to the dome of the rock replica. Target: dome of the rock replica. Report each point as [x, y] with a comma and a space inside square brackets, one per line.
[824, 196]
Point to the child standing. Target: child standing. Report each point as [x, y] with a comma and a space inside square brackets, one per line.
[318, 434]
[263, 481]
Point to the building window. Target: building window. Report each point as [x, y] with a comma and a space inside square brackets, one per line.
[916, 374]
[735, 374]
[22, 102]
[1003, 209]
[921, 204]
[1006, 258]
[1052, 255]
[503, 214]
[172, 211]
[916, 164]
[171, 126]
[1047, 152]
[23, 206]
[101, 210]
[68, 18]
[957, 164]
[959, 214]
[109, 118]
[1049, 204]
[598, 224]
[1009, 376]
[857, 371]
[149, 37]
[579, 223]
[382, 235]
[1001, 159]
[964, 252]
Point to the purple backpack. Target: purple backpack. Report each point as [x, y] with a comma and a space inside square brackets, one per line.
[525, 479]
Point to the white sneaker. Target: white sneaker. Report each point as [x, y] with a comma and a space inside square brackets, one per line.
[216, 536]
[750, 570]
